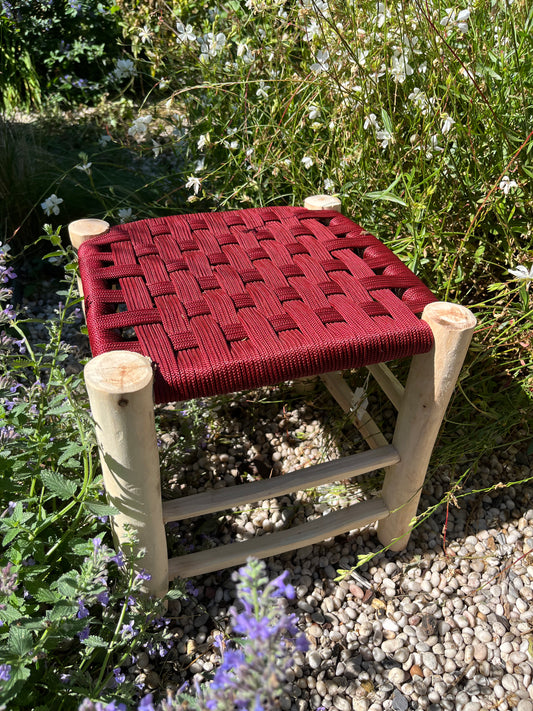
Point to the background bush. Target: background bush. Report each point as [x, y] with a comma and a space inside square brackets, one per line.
[55, 48]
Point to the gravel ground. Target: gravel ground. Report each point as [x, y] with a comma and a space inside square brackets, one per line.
[430, 628]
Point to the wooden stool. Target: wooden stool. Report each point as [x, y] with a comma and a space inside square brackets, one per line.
[196, 305]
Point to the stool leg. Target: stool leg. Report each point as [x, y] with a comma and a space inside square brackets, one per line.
[80, 231]
[322, 202]
[120, 385]
[430, 383]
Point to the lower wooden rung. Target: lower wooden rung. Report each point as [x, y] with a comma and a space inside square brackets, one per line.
[315, 531]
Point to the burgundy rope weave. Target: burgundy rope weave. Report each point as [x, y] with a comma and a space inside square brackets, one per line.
[227, 301]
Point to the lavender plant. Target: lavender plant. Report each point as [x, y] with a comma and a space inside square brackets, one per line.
[71, 612]
[254, 665]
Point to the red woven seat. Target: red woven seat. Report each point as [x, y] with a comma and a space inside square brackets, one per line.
[228, 301]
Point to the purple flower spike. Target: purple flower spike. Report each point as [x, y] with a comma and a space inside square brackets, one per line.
[82, 610]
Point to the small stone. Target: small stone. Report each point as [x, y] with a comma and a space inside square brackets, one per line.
[397, 676]
[415, 670]
[390, 625]
[315, 660]
[429, 660]
[399, 702]
[525, 705]
[509, 682]
[143, 660]
[342, 703]
[152, 679]
[315, 630]
[480, 652]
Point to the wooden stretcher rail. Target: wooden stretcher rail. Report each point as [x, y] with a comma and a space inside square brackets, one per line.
[388, 382]
[343, 394]
[327, 526]
[235, 496]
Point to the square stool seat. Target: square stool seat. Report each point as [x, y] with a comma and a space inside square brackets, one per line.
[229, 301]
[189, 306]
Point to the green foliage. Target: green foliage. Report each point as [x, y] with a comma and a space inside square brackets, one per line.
[59, 48]
[71, 612]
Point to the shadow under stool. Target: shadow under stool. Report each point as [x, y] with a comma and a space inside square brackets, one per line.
[190, 306]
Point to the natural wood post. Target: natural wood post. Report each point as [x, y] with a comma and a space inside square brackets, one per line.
[322, 202]
[120, 385]
[430, 383]
[80, 231]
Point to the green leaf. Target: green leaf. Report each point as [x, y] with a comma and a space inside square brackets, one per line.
[387, 123]
[94, 641]
[46, 595]
[67, 586]
[385, 195]
[59, 485]
[62, 609]
[99, 509]
[20, 641]
[175, 594]
[10, 614]
[60, 409]
[11, 535]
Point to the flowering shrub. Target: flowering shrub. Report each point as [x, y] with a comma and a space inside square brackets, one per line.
[252, 674]
[261, 101]
[71, 612]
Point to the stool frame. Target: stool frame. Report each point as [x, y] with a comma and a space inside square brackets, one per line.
[120, 389]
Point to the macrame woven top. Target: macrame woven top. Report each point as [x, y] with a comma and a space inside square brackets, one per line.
[229, 301]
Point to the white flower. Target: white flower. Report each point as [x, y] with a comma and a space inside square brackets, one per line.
[203, 141]
[104, 140]
[263, 89]
[328, 184]
[312, 30]
[185, 33]
[314, 112]
[371, 121]
[506, 185]
[322, 64]
[400, 69]
[383, 14]
[433, 147]
[194, 183]
[385, 137]
[125, 214]
[456, 19]
[140, 126]
[144, 34]
[4, 249]
[308, 162]
[522, 273]
[211, 45]
[51, 204]
[447, 123]
[156, 148]
[200, 165]
[421, 101]
[124, 69]
[86, 168]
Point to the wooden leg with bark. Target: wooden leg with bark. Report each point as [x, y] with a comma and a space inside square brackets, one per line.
[430, 384]
[120, 386]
